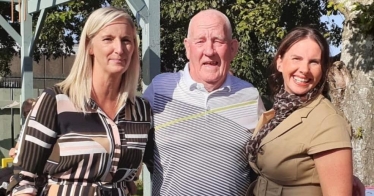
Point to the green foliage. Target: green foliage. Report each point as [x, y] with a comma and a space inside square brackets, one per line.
[63, 26]
[5, 58]
[139, 188]
[7, 49]
[365, 18]
[359, 133]
[333, 8]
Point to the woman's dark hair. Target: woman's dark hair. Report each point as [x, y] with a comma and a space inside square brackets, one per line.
[294, 36]
[26, 107]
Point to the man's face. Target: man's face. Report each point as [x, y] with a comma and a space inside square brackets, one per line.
[209, 49]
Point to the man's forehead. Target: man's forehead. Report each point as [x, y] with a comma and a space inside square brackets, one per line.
[212, 34]
[203, 29]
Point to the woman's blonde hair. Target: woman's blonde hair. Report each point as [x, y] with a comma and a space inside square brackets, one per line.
[78, 84]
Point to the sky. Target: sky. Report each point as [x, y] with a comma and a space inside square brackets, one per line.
[338, 19]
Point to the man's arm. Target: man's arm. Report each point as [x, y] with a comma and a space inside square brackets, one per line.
[260, 108]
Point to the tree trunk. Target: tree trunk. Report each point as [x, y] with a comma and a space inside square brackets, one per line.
[357, 101]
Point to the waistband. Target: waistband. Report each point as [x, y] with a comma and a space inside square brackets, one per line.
[265, 187]
[101, 188]
[83, 182]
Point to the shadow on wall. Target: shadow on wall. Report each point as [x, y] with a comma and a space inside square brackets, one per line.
[5, 144]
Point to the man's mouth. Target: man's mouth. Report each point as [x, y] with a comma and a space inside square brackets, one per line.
[210, 63]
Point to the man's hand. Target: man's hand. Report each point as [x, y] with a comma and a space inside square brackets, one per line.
[358, 187]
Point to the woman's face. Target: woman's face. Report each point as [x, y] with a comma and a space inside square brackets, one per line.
[112, 48]
[301, 67]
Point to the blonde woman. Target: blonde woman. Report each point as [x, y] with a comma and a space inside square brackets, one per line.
[89, 134]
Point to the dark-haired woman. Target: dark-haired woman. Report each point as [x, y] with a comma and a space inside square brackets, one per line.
[302, 146]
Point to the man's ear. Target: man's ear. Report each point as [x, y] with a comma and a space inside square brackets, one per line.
[234, 48]
[279, 64]
[187, 47]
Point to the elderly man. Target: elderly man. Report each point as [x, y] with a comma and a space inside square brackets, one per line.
[203, 116]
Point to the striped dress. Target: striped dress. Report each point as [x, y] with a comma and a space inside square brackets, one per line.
[200, 136]
[82, 155]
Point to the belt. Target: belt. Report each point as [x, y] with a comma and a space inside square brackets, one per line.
[264, 187]
[102, 189]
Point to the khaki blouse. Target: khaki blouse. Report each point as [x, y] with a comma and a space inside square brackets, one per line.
[285, 159]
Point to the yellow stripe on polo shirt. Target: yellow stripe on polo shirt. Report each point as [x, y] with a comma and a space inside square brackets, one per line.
[193, 116]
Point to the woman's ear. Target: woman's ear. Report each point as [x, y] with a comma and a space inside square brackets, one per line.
[90, 50]
[279, 64]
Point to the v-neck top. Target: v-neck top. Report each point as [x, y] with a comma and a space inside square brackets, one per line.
[286, 153]
[81, 151]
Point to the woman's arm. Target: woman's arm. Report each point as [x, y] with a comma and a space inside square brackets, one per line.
[334, 168]
[35, 145]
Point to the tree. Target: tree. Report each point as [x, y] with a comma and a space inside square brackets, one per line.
[358, 95]
[7, 50]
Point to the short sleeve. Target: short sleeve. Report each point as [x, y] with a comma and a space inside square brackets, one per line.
[333, 133]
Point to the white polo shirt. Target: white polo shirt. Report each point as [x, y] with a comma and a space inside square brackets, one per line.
[200, 136]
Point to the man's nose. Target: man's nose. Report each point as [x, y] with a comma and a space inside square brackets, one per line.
[209, 49]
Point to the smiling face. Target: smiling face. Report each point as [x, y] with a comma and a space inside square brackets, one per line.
[209, 49]
[301, 66]
[112, 48]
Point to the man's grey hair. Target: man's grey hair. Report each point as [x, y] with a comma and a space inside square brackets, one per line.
[217, 13]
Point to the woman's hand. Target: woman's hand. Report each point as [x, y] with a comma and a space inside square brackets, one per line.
[12, 152]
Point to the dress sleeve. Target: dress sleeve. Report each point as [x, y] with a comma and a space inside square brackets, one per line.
[148, 158]
[35, 145]
[333, 133]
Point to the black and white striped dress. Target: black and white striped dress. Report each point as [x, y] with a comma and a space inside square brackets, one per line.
[82, 152]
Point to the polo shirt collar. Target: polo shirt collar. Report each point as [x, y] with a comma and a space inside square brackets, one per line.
[192, 85]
